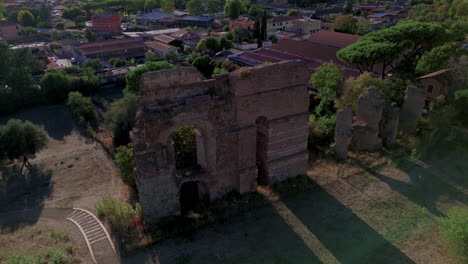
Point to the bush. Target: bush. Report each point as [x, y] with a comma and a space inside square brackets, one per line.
[327, 125]
[460, 103]
[437, 103]
[354, 87]
[121, 118]
[133, 77]
[81, 106]
[125, 160]
[119, 214]
[55, 86]
[52, 256]
[118, 62]
[454, 232]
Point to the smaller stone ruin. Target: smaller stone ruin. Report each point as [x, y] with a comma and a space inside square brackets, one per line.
[377, 122]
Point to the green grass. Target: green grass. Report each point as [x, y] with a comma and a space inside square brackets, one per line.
[454, 232]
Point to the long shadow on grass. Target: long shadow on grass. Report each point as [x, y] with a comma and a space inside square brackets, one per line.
[425, 186]
[255, 237]
[344, 234]
[22, 196]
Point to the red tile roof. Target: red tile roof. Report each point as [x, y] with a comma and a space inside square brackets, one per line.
[433, 74]
[109, 46]
[263, 55]
[164, 38]
[334, 39]
[159, 46]
[308, 49]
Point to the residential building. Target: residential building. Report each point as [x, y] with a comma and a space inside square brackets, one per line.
[107, 49]
[160, 48]
[195, 21]
[243, 22]
[188, 38]
[306, 26]
[9, 31]
[280, 23]
[436, 83]
[105, 23]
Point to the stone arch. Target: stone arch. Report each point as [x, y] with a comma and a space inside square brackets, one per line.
[206, 143]
[191, 193]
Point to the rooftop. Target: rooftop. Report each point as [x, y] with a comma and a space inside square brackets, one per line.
[334, 39]
[279, 19]
[153, 16]
[159, 46]
[164, 38]
[434, 74]
[109, 46]
[4, 23]
[198, 18]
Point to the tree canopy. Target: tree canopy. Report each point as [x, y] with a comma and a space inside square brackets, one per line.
[398, 47]
[233, 8]
[194, 7]
[327, 80]
[20, 139]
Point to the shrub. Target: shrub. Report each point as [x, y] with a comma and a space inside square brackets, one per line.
[55, 86]
[120, 118]
[119, 214]
[454, 232]
[81, 106]
[437, 103]
[125, 160]
[133, 77]
[219, 71]
[327, 125]
[354, 87]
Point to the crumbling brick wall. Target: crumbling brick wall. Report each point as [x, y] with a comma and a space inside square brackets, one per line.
[225, 111]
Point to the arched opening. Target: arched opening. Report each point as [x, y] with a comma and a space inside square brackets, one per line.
[189, 150]
[193, 196]
[262, 150]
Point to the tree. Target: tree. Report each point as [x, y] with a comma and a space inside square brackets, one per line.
[81, 106]
[349, 7]
[213, 6]
[90, 36]
[438, 58]
[354, 87]
[194, 7]
[20, 139]
[94, 64]
[232, 9]
[60, 26]
[72, 13]
[225, 43]
[293, 13]
[26, 18]
[192, 57]
[255, 10]
[209, 45]
[151, 4]
[241, 35]
[55, 86]
[133, 77]
[150, 56]
[168, 6]
[344, 24]
[398, 48]
[204, 65]
[327, 80]
[121, 118]
[118, 62]
[362, 26]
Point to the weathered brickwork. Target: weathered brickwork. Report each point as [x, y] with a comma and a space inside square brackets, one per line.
[233, 113]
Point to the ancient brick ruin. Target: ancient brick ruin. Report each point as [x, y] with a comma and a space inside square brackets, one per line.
[252, 126]
[376, 123]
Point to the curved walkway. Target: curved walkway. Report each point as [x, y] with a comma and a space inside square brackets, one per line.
[97, 238]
